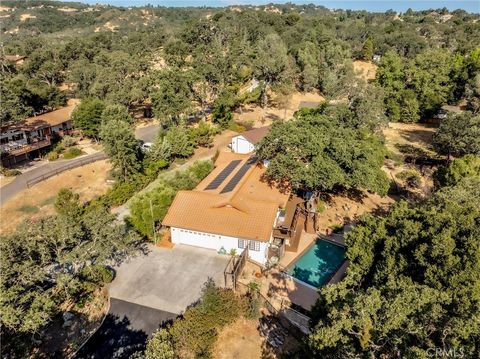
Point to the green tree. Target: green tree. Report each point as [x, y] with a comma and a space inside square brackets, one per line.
[458, 135]
[160, 346]
[67, 204]
[222, 108]
[457, 170]
[202, 135]
[308, 61]
[367, 50]
[121, 146]
[181, 144]
[391, 77]
[148, 210]
[171, 97]
[271, 62]
[429, 77]
[409, 107]
[472, 94]
[318, 151]
[412, 283]
[116, 112]
[87, 116]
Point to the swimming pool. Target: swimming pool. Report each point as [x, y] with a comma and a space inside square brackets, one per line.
[317, 265]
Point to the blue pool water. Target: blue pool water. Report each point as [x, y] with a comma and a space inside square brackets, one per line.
[317, 265]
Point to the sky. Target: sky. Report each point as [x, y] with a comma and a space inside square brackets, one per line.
[370, 5]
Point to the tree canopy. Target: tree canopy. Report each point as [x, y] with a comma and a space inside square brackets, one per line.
[44, 263]
[412, 282]
[458, 135]
[319, 150]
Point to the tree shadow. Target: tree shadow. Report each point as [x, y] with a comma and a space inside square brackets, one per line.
[114, 339]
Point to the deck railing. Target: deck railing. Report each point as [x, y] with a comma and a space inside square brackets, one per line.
[28, 148]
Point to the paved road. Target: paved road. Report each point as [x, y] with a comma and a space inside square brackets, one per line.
[147, 134]
[124, 331]
[20, 182]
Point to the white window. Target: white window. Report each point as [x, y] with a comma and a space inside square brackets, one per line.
[254, 245]
[242, 243]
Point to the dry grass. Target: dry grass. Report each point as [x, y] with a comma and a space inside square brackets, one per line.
[254, 113]
[366, 69]
[25, 17]
[414, 134]
[88, 181]
[239, 340]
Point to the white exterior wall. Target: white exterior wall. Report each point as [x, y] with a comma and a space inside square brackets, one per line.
[215, 241]
[241, 145]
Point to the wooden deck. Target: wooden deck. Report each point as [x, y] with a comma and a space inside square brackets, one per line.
[29, 148]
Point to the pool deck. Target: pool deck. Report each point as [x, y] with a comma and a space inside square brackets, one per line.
[306, 240]
[279, 288]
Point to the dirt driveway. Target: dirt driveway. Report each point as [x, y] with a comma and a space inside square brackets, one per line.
[168, 279]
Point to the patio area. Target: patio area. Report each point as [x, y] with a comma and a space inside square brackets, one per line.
[280, 289]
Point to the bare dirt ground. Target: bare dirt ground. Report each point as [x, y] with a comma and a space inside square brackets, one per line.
[419, 135]
[366, 69]
[25, 17]
[415, 139]
[253, 113]
[88, 181]
[340, 209]
[239, 340]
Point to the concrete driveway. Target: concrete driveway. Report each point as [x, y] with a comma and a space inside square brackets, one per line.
[168, 279]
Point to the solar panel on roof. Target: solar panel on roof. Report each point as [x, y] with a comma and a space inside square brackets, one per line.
[239, 175]
[217, 181]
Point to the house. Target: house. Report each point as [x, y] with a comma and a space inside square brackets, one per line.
[24, 139]
[445, 110]
[15, 59]
[231, 209]
[246, 141]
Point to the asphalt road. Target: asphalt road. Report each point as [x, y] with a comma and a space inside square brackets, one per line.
[146, 134]
[124, 331]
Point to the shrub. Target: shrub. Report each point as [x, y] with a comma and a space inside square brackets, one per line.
[52, 155]
[411, 178]
[195, 334]
[233, 126]
[69, 141]
[466, 166]
[72, 152]
[337, 228]
[122, 191]
[96, 274]
[10, 172]
[29, 209]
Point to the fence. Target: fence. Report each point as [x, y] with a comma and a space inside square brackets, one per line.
[77, 163]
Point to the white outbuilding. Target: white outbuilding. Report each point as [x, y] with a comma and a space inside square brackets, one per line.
[246, 141]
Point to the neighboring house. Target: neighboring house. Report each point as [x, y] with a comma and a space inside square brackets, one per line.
[24, 139]
[445, 110]
[309, 104]
[15, 59]
[246, 141]
[231, 209]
